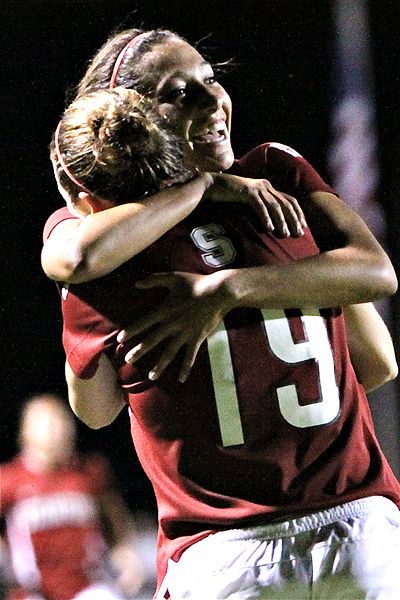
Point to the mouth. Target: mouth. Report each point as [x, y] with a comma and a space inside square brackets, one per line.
[215, 134]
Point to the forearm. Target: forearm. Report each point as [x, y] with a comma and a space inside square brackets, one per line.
[352, 267]
[370, 345]
[334, 278]
[104, 240]
[96, 401]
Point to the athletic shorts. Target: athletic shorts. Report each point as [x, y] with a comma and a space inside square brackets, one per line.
[98, 591]
[348, 552]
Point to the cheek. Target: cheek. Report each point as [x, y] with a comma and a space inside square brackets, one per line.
[176, 118]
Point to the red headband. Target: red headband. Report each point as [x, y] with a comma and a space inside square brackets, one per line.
[121, 56]
[62, 162]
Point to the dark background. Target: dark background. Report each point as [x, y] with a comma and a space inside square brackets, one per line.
[281, 90]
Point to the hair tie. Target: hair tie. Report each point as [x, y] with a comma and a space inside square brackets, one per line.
[62, 162]
[121, 56]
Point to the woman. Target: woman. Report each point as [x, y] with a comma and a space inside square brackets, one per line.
[279, 454]
[64, 517]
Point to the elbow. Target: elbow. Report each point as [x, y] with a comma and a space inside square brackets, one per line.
[94, 419]
[380, 280]
[384, 371]
[388, 373]
[76, 270]
[391, 371]
[70, 268]
[85, 265]
[389, 279]
[94, 423]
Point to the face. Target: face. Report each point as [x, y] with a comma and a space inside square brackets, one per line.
[195, 104]
[47, 433]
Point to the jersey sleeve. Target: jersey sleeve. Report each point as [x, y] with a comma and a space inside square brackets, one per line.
[62, 214]
[284, 167]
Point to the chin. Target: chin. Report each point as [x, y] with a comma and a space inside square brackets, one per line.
[214, 163]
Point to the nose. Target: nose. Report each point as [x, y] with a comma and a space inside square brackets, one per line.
[208, 98]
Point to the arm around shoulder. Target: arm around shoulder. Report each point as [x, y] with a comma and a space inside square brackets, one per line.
[105, 236]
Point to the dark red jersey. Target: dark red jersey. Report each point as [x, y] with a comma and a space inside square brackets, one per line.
[53, 525]
[272, 421]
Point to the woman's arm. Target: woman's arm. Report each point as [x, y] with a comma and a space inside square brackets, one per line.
[370, 345]
[351, 268]
[82, 249]
[79, 250]
[99, 400]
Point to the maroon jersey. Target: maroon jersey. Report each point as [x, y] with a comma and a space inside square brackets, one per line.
[272, 417]
[53, 527]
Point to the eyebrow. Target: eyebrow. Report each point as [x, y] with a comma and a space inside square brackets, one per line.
[181, 73]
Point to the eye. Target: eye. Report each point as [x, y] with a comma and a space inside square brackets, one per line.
[172, 95]
[210, 80]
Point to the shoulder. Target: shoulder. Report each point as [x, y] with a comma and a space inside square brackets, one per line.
[267, 153]
[284, 166]
[62, 214]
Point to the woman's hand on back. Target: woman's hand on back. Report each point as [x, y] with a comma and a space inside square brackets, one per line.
[192, 310]
[278, 211]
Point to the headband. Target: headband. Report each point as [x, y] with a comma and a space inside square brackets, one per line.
[121, 57]
[63, 164]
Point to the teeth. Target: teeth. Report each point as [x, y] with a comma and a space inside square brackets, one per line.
[209, 136]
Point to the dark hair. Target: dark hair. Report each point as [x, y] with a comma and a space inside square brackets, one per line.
[113, 144]
[130, 73]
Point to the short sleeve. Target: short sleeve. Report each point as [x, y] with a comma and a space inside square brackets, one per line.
[62, 214]
[284, 167]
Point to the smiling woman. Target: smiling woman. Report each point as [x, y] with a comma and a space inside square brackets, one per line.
[194, 103]
[187, 92]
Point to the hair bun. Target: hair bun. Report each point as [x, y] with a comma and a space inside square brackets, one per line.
[120, 134]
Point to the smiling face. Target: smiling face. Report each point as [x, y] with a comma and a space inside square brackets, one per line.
[194, 103]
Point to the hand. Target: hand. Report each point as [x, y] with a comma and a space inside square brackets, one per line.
[278, 211]
[129, 568]
[193, 309]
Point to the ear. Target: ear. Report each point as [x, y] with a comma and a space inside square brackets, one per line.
[91, 204]
[87, 204]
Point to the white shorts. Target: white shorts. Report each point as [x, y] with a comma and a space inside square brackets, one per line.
[349, 552]
[98, 591]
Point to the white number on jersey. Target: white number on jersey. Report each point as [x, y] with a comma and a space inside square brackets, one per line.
[316, 347]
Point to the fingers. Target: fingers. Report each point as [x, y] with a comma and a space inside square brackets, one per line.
[166, 359]
[292, 219]
[295, 206]
[141, 326]
[170, 354]
[285, 211]
[261, 210]
[276, 213]
[150, 342]
[188, 362]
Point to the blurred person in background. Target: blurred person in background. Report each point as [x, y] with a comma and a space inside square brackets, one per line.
[68, 534]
